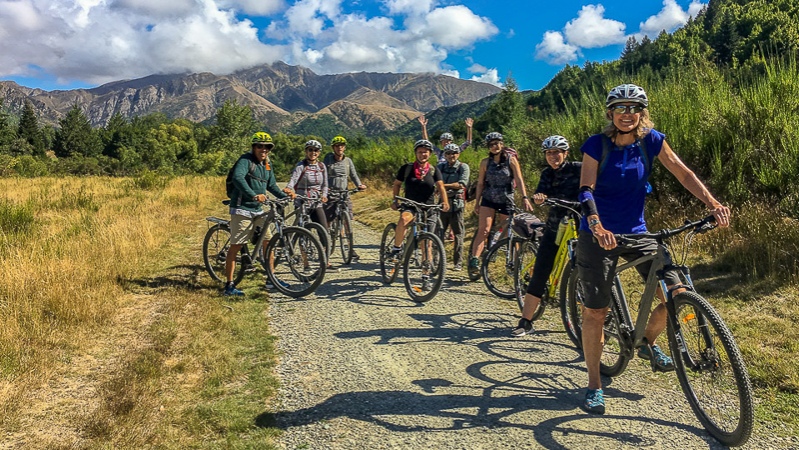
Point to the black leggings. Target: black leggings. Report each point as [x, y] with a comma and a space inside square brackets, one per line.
[544, 260]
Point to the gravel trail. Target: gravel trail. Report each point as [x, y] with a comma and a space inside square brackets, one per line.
[363, 366]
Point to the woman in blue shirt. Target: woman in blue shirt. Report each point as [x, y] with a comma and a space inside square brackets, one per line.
[613, 189]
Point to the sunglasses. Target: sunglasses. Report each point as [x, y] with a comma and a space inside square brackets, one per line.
[266, 146]
[312, 150]
[451, 153]
[627, 109]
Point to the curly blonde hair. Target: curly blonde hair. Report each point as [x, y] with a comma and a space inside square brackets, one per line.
[645, 124]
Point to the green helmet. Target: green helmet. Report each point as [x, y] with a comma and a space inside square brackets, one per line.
[338, 140]
[262, 137]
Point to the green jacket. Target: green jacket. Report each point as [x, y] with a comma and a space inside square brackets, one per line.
[248, 186]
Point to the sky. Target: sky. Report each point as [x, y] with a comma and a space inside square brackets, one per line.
[61, 44]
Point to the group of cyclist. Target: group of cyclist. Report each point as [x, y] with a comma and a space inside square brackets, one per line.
[252, 177]
[611, 184]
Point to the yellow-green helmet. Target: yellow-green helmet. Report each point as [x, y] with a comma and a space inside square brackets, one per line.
[262, 137]
[338, 140]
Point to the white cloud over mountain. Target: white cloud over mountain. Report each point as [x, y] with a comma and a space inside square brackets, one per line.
[102, 40]
[591, 29]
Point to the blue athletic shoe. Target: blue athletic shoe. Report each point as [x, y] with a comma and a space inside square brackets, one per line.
[594, 401]
[662, 361]
[231, 291]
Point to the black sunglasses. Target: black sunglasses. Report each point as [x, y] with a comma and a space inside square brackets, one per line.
[623, 109]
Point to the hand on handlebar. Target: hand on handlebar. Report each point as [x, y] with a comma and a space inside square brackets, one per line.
[445, 208]
[605, 238]
[260, 198]
[539, 198]
[722, 215]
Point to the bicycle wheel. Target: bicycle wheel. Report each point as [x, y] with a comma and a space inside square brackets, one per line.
[215, 248]
[614, 357]
[322, 235]
[344, 236]
[333, 231]
[523, 272]
[712, 372]
[571, 305]
[388, 265]
[424, 267]
[298, 262]
[498, 268]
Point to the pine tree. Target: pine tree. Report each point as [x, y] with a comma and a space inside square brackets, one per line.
[7, 132]
[75, 135]
[29, 130]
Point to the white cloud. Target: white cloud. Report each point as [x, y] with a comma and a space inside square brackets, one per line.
[555, 50]
[97, 41]
[457, 26]
[490, 76]
[591, 29]
[477, 68]
[669, 18]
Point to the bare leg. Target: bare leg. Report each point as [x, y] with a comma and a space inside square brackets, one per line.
[230, 261]
[593, 342]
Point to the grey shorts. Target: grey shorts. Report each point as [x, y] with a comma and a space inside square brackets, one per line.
[597, 267]
[242, 228]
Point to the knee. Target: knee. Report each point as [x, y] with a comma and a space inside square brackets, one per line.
[595, 315]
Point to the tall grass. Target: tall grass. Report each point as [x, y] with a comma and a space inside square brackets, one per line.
[73, 241]
[739, 131]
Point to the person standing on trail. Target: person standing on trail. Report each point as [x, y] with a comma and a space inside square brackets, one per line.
[455, 176]
[498, 175]
[561, 180]
[251, 178]
[447, 138]
[613, 187]
[340, 170]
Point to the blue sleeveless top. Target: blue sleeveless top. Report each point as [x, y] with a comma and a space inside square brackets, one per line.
[620, 190]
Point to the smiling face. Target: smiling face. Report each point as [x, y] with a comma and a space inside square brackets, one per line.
[626, 116]
[495, 146]
[338, 150]
[451, 157]
[556, 157]
[311, 154]
[422, 154]
[261, 151]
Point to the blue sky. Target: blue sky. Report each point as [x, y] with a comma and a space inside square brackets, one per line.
[60, 44]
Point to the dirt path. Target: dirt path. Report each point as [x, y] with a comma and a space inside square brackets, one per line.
[362, 366]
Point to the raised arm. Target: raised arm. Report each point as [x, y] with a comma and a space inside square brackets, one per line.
[423, 121]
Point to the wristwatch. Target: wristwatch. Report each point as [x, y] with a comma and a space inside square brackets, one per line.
[592, 223]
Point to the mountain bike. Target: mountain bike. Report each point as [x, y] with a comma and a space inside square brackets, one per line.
[500, 264]
[302, 218]
[565, 240]
[293, 259]
[422, 255]
[496, 233]
[341, 225]
[708, 363]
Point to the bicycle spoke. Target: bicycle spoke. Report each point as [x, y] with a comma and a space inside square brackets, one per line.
[498, 269]
[424, 267]
[297, 262]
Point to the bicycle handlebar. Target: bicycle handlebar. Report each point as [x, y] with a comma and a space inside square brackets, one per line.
[697, 226]
[420, 205]
[565, 204]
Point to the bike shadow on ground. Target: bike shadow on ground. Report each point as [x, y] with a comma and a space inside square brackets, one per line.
[182, 277]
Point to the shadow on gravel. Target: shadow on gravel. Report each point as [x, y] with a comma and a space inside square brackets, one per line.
[568, 432]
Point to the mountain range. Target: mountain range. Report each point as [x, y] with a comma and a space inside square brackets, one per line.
[281, 96]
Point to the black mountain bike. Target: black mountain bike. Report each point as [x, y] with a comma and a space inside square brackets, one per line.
[422, 257]
[341, 225]
[293, 259]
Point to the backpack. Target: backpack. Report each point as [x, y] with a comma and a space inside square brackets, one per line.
[230, 188]
[322, 166]
[471, 191]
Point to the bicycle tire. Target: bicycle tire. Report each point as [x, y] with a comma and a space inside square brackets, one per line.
[299, 262]
[571, 305]
[523, 272]
[724, 378]
[498, 270]
[322, 235]
[388, 270]
[346, 243]
[216, 245]
[615, 353]
[333, 231]
[422, 278]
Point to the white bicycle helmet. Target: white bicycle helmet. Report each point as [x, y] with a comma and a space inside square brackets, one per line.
[446, 136]
[494, 136]
[452, 148]
[423, 143]
[555, 142]
[313, 143]
[627, 93]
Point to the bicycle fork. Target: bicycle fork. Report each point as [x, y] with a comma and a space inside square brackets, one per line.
[671, 308]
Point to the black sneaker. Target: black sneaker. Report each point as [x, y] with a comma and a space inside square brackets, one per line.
[525, 327]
